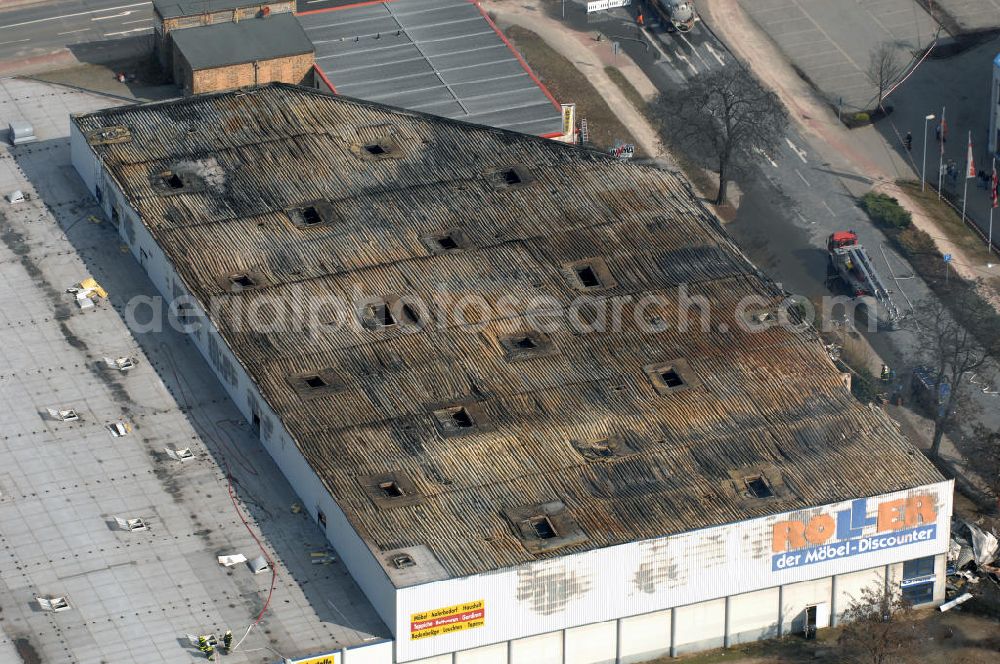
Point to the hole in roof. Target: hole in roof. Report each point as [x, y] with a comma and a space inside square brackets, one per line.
[671, 378]
[173, 181]
[243, 280]
[383, 315]
[602, 448]
[542, 527]
[462, 419]
[758, 487]
[587, 276]
[511, 177]
[390, 490]
[403, 560]
[310, 216]
[525, 343]
[314, 382]
[375, 149]
[409, 314]
[447, 243]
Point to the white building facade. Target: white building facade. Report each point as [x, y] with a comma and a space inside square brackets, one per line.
[761, 578]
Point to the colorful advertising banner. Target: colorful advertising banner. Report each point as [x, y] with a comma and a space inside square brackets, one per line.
[447, 619]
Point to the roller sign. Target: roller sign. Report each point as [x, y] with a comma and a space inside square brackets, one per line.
[819, 537]
[447, 619]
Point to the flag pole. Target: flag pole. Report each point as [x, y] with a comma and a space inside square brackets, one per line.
[968, 166]
[970, 171]
[941, 136]
[993, 203]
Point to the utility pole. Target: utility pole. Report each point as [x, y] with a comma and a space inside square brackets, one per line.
[923, 167]
[941, 137]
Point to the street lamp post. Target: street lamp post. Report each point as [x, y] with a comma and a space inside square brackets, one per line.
[923, 167]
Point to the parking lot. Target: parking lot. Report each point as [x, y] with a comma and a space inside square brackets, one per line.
[831, 42]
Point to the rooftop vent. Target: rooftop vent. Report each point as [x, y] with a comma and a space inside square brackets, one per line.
[450, 240]
[544, 527]
[511, 177]
[459, 419]
[242, 280]
[526, 345]
[589, 274]
[447, 243]
[310, 214]
[172, 180]
[391, 311]
[669, 377]
[383, 148]
[402, 561]
[391, 490]
[614, 446]
[758, 487]
[314, 384]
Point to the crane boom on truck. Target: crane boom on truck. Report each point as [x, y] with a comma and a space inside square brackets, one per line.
[852, 264]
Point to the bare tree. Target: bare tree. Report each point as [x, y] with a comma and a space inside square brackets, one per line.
[725, 116]
[884, 69]
[955, 339]
[879, 628]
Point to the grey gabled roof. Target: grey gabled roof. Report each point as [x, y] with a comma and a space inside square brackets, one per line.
[175, 8]
[246, 41]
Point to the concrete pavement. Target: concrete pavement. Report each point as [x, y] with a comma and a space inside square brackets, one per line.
[831, 42]
[971, 15]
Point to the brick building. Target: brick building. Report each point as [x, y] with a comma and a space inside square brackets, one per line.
[170, 15]
[237, 54]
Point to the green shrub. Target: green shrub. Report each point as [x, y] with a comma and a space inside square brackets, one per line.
[861, 118]
[885, 210]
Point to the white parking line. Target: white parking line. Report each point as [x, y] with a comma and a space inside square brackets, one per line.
[715, 54]
[797, 150]
[141, 20]
[829, 209]
[70, 32]
[802, 177]
[16, 41]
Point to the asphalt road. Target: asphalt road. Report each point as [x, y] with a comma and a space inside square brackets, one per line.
[792, 200]
[40, 29]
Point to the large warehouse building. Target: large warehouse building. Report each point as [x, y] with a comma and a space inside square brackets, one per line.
[505, 486]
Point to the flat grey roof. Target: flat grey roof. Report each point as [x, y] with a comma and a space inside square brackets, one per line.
[436, 56]
[224, 44]
[175, 8]
[133, 595]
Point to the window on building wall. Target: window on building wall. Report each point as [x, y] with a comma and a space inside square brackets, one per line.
[917, 584]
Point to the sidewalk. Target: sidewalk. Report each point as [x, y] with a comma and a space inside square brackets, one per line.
[860, 155]
[590, 57]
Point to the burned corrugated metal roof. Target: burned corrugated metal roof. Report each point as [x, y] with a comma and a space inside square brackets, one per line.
[283, 197]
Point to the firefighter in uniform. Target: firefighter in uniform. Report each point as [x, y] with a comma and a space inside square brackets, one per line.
[886, 374]
[227, 641]
[206, 647]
